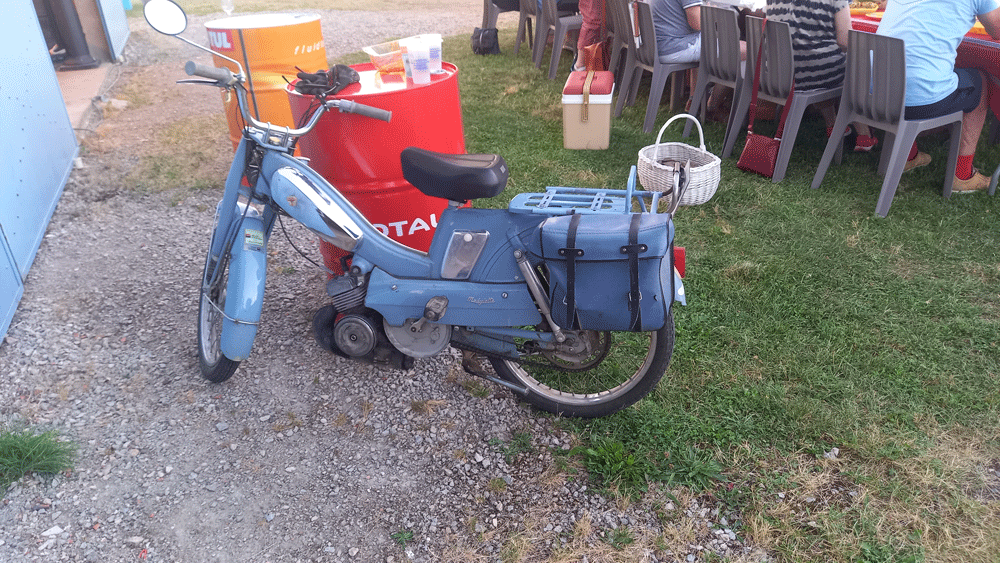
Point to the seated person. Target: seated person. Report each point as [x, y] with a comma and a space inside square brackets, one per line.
[678, 30]
[934, 87]
[819, 41]
[563, 6]
[677, 24]
[592, 30]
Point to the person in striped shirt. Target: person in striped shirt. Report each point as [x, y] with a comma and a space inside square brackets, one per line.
[819, 42]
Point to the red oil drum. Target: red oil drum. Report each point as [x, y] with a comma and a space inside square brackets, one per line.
[269, 46]
[360, 155]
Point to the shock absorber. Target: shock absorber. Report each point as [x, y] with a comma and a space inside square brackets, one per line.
[535, 287]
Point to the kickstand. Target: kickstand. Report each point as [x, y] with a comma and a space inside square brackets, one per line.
[993, 180]
[472, 363]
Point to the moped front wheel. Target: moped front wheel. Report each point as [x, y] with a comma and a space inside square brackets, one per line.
[215, 367]
[616, 370]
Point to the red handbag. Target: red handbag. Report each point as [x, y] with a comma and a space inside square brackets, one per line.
[760, 153]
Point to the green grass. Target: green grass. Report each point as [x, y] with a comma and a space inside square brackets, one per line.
[23, 452]
[402, 537]
[520, 443]
[812, 323]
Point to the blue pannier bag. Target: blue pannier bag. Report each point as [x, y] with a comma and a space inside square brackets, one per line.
[609, 271]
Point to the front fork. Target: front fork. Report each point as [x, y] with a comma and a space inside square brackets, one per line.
[241, 236]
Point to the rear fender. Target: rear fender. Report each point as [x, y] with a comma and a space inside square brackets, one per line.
[679, 288]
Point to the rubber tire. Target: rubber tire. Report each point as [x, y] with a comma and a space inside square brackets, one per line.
[638, 386]
[218, 368]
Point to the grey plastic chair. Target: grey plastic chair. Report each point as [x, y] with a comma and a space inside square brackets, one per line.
[490, 13]
[529, 13]
[648, 59]
[559, 24]
[720, 64]
[618, 13]
[617, 40]
[874, 94]
[777, 72]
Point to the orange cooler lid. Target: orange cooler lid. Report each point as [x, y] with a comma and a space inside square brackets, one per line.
[602, 84]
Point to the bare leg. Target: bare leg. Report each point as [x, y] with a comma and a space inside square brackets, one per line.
[828, 111]
[972, 123]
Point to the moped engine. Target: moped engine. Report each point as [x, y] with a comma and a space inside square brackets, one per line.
[419, 338]
[357, 334]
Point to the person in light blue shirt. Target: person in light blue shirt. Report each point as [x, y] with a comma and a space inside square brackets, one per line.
[931, 31]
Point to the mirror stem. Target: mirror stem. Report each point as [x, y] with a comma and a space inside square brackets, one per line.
[240, 76]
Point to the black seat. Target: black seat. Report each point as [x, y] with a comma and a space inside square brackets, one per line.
[458, 177]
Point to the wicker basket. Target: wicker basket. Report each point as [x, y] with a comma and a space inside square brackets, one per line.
[656, 166]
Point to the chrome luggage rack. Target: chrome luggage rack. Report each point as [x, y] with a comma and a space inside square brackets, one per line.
[559, 200]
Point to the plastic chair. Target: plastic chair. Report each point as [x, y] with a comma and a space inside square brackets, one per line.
[648, 59]
[874, 94]
[776, 79]
[617, 41]
[720, 64]
[529, 13]
[618, 13]
[490, 14]
[559, 24]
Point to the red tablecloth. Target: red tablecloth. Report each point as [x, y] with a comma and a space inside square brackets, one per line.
[975, 51]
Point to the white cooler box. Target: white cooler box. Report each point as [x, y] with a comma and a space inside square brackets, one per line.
[587, 109]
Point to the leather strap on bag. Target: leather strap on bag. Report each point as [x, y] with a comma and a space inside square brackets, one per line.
[756, 86]
[584, 113]
[571, 253]
[633, 249]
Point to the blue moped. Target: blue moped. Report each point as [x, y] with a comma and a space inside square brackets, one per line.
[568, 293]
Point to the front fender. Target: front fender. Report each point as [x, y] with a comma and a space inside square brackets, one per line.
[244, 289]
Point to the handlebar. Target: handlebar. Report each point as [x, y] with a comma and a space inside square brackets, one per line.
[347, 106]
[224, 78]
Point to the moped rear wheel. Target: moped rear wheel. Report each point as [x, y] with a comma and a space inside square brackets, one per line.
[215, 367]
[621, 368]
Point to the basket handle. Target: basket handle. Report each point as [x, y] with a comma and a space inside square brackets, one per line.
[701, 135]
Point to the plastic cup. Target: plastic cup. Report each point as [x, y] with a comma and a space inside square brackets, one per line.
[404, 50]
[419, 61]
[433, 41]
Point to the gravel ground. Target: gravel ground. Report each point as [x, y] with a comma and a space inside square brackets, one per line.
[302, 456]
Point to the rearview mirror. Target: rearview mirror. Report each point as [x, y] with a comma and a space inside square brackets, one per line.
[165, 16]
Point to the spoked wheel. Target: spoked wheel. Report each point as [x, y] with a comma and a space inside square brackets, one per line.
[214, 366]
[597, 375]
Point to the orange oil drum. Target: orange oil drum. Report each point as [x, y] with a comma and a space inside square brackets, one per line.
[269, 46]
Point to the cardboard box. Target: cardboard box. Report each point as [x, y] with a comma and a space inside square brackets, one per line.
[587, 110]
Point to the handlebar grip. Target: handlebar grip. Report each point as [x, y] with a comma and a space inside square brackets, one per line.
[223, 76]
[347, 106]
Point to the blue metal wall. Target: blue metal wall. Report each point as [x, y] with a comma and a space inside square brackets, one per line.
[115, 25]
[11, 287]
[39, 147]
